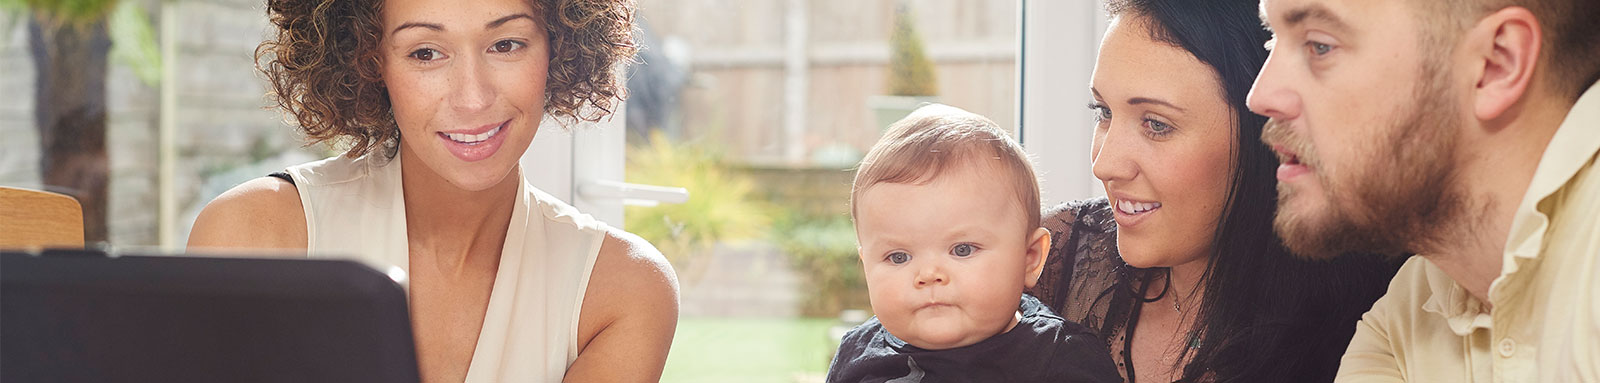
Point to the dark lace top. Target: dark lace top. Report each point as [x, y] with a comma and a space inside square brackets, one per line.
[1086, 281]
[1081, 277]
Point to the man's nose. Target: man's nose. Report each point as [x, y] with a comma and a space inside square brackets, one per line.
[1271, 95]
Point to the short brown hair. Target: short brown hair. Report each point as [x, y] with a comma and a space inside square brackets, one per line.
[923, 145]
[1571, 34]
[326, 70]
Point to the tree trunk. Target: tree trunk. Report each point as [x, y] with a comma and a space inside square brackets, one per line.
[70, 110]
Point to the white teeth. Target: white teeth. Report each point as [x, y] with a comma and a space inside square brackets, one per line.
[473, 138]
[1136, 207]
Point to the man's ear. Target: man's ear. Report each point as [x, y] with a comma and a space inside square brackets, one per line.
[1038, 252]
[1507, 43]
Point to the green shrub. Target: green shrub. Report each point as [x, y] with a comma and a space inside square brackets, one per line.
[722, 204]
[910, 70]
[823, 251]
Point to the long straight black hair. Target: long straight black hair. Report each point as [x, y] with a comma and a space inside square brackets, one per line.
[1265, 316]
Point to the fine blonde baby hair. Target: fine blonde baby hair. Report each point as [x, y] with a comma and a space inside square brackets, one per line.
[935, 137]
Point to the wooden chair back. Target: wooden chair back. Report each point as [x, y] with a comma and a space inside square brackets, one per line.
[39, 219]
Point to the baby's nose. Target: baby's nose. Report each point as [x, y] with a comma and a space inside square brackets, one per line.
[932, 277]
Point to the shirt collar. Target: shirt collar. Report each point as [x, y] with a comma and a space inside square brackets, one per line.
[1460, 310]
[1574, 145]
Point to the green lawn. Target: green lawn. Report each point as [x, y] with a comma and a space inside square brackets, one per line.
[750, 350]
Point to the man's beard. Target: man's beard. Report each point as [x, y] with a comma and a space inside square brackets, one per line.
[1395, 198]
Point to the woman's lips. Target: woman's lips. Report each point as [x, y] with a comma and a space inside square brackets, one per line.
[470, 139]
[1129, 213]
[474, 145]
[1131, 207]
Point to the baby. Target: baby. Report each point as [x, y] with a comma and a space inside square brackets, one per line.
[946, 208]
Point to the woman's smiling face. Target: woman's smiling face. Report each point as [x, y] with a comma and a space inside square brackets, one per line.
[1163, 145]
[466, 83]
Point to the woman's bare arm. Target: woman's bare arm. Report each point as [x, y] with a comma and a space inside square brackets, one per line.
[630, 313]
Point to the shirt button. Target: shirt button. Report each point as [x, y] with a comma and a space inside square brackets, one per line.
[1507, 347]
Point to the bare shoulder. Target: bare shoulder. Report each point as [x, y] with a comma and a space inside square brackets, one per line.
[629, 313]
[263, 213]
[630, 273]
[631, 283]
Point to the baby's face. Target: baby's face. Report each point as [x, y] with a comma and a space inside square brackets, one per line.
[946, 261]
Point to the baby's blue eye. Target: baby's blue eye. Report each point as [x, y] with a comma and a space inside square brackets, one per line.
[899, 258]
[962, 250]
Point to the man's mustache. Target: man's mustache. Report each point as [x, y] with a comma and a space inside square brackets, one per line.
[1279, 135]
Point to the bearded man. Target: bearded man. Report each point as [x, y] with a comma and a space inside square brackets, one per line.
[1464, 132]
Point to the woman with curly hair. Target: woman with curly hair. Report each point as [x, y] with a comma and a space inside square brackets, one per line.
[438, 100]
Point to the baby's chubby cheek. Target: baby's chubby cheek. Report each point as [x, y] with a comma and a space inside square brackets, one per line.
[956, 322]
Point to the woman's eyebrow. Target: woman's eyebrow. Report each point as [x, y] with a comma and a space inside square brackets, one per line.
[440, 28]
[1148, 100]
[414, 24]
[497, 22]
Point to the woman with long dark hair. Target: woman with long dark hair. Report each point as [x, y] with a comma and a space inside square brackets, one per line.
[1178, 269]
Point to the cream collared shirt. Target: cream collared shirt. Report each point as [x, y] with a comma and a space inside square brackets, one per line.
[1545, 325]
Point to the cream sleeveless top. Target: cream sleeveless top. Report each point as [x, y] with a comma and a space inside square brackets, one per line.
[530, 331]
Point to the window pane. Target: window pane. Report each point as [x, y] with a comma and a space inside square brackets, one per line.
[761, 109]
[224, 133]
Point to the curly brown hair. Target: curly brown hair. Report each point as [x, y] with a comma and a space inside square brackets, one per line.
[326, 70]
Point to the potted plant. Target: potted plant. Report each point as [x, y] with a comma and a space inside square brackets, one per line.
[912, 81]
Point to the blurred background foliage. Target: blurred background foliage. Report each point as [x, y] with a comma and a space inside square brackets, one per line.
[722, 207]
[823, 250]
[911, 73]
[803, 214]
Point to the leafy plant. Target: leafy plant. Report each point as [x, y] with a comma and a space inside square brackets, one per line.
[133, 42]
[910, 71]
[823, 251]
[722, 204]
[78, 13]
[133, 37]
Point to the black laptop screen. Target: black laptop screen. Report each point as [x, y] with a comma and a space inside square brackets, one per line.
[162, 318]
